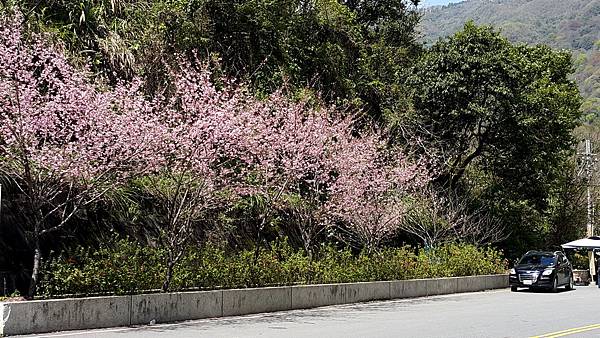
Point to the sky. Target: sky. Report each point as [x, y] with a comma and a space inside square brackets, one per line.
[427, 3]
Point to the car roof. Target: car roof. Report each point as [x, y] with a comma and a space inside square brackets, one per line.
[545, 253]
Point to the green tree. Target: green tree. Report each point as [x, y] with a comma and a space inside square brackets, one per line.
[510, 108]
[354, 53]
[496, 116]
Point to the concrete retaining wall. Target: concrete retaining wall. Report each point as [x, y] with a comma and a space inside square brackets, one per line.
[307, 296]
[88, 313]
[496, 282]
[245, 301]
[415, 288]
[172, 307]
[64, 314]
[473, 283]
[368, 291]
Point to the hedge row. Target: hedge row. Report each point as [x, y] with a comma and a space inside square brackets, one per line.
[126, 267]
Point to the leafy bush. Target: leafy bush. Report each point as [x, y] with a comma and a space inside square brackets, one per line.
[121, 268]
[580, 260]
[126, 267]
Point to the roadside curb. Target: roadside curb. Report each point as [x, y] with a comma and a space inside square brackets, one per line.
[40, 316]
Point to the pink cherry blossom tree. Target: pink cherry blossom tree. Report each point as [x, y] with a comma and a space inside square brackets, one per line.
[311, 162]
[368, 195]
[193, 172]
[291, 151]
[63, 142]
[268, 148]
[303, 159]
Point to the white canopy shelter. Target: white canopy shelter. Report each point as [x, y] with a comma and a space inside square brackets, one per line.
[591, 244]
[584, 243]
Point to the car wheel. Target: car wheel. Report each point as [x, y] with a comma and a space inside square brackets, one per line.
[555, 285]
[569, 285]
[513, 288]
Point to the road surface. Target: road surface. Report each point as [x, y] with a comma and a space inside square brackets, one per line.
[499, 313]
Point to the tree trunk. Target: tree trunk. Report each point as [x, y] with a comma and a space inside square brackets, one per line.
[37, 258]
[169, 275]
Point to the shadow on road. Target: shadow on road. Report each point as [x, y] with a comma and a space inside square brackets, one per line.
[279, 320]
[542, 290]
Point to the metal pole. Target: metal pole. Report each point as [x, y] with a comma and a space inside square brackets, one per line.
[590, 226]
[588, 162]
[588, 165]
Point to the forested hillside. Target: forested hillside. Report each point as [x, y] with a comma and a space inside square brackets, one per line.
[573, 24]
[286, 141]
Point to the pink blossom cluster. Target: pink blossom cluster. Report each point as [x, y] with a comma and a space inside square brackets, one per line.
[280, 141]
[296, 148]
[54, 117]
[369, 191]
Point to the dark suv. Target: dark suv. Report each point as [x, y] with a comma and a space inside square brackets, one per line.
[542, 269]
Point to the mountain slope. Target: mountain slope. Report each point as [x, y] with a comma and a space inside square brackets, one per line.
[571, 24]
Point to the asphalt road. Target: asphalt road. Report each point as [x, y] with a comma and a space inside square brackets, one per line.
[498, 313]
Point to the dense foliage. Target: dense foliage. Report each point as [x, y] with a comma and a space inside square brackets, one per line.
[352, 52]
[570, 25]
[210, 131]
[501, 118]
[177, 158]
[126, 268]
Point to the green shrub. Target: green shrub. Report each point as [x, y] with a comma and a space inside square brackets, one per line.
[580, 260]
[121, 268]
[459, 260]
[124, 267]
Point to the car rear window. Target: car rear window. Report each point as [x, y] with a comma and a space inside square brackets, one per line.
[545, 260]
